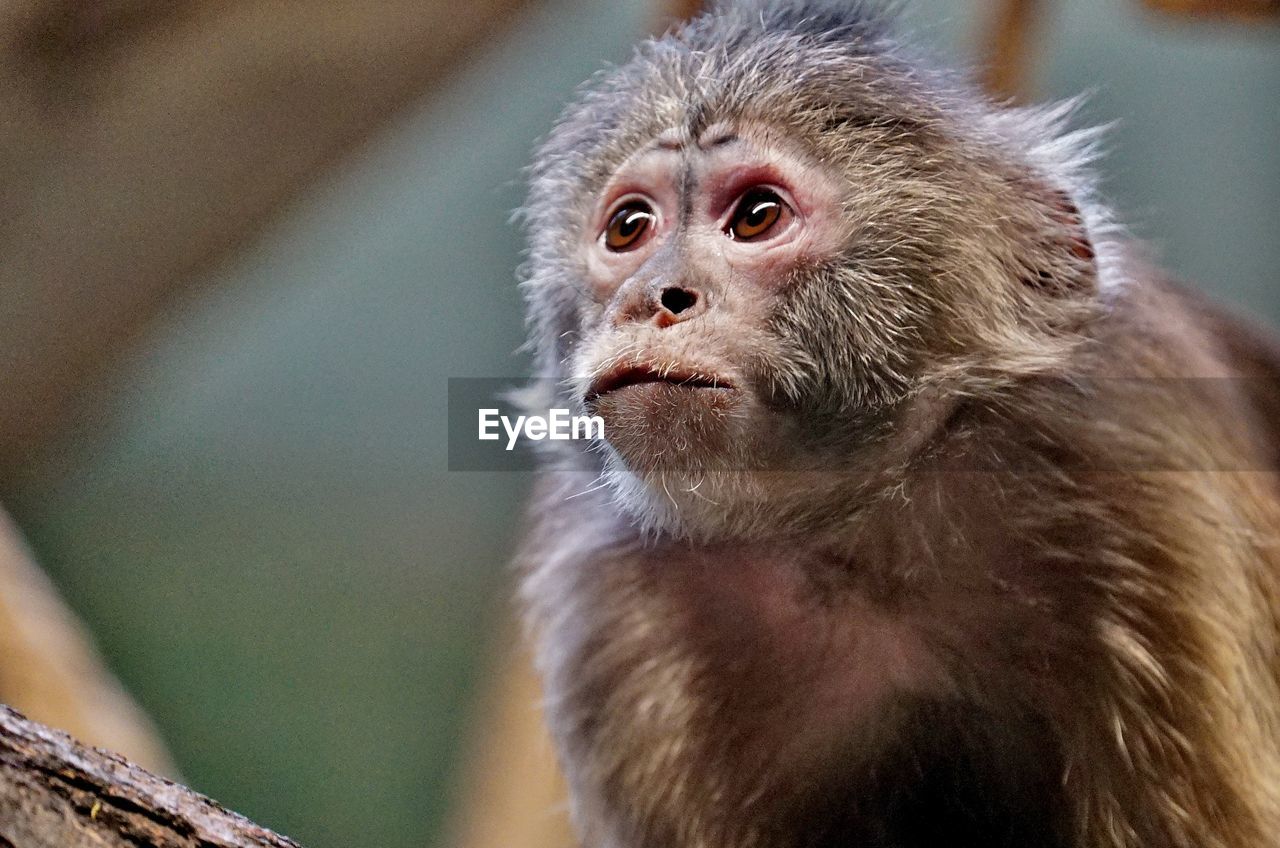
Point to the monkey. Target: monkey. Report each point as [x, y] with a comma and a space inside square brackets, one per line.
[928, 511]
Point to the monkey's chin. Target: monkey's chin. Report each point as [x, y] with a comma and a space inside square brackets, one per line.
[671, 427]
[681, 460]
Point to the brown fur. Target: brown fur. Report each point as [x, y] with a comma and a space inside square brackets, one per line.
[1010, 582]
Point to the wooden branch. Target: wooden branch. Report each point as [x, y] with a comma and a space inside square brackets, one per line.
[57, 793]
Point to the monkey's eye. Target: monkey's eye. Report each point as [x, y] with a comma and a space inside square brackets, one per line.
[628, 225]
[757, 213]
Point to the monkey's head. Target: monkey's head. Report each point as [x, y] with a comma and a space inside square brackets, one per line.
[775, 247]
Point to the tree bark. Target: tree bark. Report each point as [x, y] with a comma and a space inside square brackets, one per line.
[57, 793]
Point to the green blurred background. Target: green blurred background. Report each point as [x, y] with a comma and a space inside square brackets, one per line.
[263, 534]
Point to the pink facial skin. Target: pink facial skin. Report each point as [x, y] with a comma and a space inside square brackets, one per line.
[680, 301]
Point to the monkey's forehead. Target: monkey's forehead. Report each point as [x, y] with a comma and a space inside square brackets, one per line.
[821, 94]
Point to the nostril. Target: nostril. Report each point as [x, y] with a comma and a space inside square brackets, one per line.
[676, 300]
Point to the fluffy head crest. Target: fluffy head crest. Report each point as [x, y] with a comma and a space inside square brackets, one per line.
[826, 21]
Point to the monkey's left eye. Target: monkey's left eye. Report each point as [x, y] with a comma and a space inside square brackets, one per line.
[756, 214]
[628, 225]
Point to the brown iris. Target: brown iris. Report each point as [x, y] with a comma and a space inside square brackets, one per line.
[756, 214]
[628, 225]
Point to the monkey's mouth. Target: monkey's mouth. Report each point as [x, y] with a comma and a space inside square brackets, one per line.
[641, 374]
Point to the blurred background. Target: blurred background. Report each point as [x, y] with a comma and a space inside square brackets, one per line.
[226, 331]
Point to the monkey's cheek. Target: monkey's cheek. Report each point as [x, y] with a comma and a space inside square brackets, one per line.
[670, 428]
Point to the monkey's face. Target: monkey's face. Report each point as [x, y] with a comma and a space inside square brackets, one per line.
[764, 287]
[709, 282]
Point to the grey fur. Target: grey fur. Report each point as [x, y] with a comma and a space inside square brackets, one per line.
[953, 198]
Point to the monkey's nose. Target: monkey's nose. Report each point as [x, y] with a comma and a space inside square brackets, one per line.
[676, 304]
[656, 304]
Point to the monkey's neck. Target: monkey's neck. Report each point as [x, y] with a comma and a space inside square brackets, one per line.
[769, 680]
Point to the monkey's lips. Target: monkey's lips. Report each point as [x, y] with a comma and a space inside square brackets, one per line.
[655, 378]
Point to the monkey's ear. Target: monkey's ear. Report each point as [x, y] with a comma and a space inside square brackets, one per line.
[1062, 260]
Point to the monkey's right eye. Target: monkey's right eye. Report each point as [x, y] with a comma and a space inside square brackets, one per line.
[628, 226]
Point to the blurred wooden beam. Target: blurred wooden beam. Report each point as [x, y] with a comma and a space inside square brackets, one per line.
[1008, 47]
[142, 139]
[512, 792]
[1247, 11]
[50, 670]
[683, 10]
[668, 13]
